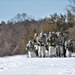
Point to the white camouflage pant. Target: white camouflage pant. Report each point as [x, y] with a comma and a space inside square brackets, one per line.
[41, 51]
[59, 50]
[52, 51]
[31, 54]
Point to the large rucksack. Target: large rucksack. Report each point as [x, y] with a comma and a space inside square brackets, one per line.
[52, 41]
[70, 46]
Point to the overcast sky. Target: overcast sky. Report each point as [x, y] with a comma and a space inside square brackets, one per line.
[35, 8]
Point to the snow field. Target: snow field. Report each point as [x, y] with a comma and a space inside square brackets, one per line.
[20, 64]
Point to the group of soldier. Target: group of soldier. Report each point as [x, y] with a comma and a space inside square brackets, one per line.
[53, 44]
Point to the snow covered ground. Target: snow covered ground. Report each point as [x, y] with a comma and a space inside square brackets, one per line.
[20, 64]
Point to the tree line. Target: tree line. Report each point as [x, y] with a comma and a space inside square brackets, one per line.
[14, 34]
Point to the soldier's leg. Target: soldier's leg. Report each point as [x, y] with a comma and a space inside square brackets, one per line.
[36, 49]
[29, 54]
[61, 51]
[64, 51]
[44, 51]
[50, 51]
[39, 51]
[56, 50]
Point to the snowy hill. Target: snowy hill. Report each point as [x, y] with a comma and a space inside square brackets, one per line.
[20, 64]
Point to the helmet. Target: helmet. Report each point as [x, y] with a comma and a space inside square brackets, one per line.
[50, 32]
[29, 41]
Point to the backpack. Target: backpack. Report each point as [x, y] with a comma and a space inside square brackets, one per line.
[70, 46]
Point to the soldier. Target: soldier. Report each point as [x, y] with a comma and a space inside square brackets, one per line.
[31, 49]
[60, 48]
[69, 48]
[35, 40]
[51, 41]
[42, 43]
